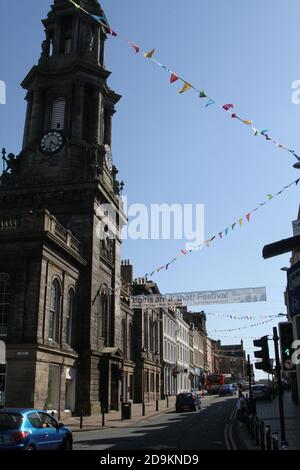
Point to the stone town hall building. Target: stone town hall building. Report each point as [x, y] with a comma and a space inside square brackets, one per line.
[62, 322]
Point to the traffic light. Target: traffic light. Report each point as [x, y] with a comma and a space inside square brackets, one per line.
[286, 340]
[263, 354]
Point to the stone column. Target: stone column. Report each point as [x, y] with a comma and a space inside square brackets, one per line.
[27, 120]
[96, 118]
[36, 118]
[108, 126]
[77, 111]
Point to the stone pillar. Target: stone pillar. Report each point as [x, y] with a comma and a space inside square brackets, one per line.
[108, 126]
[96, 119]
[35, 120]
[27, 120]
[77, 111]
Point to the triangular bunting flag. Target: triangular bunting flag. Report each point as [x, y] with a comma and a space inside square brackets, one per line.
[183, 252]
[233, 225]
[220, 234]
[173, 78]
[202, 94]
[186, 87]
[112, 32]
[241, 222]
[226, 231]
[136, 48]
[227, 107]
[234, 116]
[248, 122]
[248, 217]
[207, 243]
[269, 196]
[264, 131]
[149, 55]
[209, 103]
[297, 181]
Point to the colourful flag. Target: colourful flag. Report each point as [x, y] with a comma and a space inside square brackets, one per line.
[226, 231]
[112, 32]
[183, 252]
[248, 217]
[248, 122]
[202, 94]
[233, 225]
[136, 48]
[207, 243]
[264, 131]
[241, 222]
[269, 196]
[210, 102]
[149, 55]
[234, 116]
[255, 131]
[220, 234]
[173, 78]
[212, 238]
[227, 107]
[186, 87]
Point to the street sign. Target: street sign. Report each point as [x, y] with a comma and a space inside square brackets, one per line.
[293, 289]
[286, 340]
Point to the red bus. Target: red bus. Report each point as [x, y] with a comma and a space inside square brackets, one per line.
[214, 381]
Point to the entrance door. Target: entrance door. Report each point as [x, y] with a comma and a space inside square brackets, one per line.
[114, 387]
[53, 388]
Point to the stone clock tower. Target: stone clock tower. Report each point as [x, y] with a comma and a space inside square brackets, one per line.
[59, 279]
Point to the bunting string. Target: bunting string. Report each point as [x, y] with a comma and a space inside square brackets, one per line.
[225, 231]
[227, 107]
[243, 317]
[242, 327]
[209, 101]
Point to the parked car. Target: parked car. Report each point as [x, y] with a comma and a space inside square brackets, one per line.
[188, 401]
[28, 429]
[262, 392]
[227, 389]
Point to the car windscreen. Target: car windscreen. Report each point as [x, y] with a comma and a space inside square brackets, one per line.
[10, 421]
[185, 395]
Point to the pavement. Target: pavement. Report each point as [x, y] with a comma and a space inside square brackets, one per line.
[114, 420]
[268, 411]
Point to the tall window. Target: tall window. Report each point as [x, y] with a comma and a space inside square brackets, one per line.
[145, 330]
[70, 319]
[123, 337]
[106, 319]
[58, 114]
[4, 302]
[130, 344]
[54, 311]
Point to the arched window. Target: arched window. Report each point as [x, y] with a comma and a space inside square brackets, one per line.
[123, 337]
[71, 319]
[54, 313]
[58, 114]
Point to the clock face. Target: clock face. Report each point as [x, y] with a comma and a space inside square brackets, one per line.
[52, 142]
[108, 158]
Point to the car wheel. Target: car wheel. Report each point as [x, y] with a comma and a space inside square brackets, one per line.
[67, 444]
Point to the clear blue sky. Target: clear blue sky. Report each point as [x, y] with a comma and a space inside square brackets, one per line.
[169, 148]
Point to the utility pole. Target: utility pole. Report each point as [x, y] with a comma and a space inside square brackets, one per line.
[280, 391]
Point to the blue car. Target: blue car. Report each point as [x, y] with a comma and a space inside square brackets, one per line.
[25, 429]
[227, 389]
